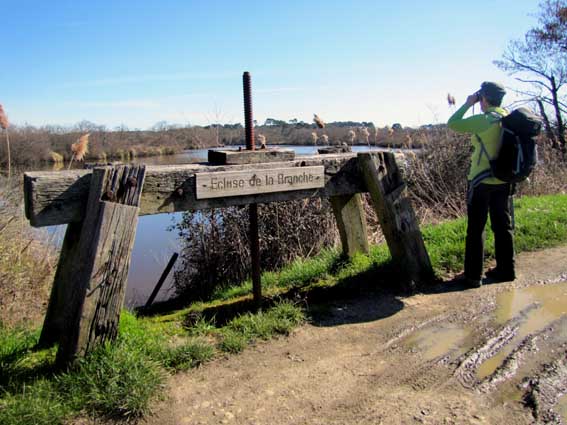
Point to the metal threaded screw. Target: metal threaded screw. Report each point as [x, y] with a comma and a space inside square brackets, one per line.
[248, 119]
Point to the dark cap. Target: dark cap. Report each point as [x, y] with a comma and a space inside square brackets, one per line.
[492, 91]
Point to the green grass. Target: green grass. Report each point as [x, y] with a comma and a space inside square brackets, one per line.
[122, 379]
[541, 222]
[250, 327]
[301, 272]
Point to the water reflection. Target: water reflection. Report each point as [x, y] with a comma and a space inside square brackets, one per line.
[550, 303]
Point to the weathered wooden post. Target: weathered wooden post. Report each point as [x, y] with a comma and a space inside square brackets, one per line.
[90, 281]
[397, 218]
[62, 286]
[351, 221]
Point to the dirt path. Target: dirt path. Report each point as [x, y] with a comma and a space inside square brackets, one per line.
[493, 355]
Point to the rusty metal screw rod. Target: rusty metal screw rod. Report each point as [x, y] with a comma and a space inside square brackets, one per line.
[253, 208]
[248, 116]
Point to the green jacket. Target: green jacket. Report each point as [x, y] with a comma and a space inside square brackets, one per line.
[487, 127]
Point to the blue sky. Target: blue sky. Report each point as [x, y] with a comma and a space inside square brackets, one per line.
[140, 62]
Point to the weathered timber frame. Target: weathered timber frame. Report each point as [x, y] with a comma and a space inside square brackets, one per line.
[101, 209]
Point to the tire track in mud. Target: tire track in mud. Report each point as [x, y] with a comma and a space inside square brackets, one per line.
[514, 360]
[466, 372]
[543, 391]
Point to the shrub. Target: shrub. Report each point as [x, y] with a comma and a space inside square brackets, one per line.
[437, 178]
[216, 250]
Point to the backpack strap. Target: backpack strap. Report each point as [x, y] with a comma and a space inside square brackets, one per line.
[476, 181]
[496, 118]
[483, 150]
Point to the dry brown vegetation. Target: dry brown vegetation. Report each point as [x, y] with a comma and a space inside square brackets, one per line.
[216, 250]
[27, 261]
[31, 145]
[437, 177]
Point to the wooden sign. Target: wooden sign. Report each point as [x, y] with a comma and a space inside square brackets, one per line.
[250, 182]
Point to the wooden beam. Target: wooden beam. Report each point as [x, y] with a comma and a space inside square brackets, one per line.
[54, 321]
[98, 274]
[397, 218]
[60, 197]
[234, 157]
[351, 221]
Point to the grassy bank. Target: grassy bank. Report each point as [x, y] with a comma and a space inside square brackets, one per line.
[121, 380]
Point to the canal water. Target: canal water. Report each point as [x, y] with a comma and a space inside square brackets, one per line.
[156, 238]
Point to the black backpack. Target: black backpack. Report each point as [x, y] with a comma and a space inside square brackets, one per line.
[517, 156]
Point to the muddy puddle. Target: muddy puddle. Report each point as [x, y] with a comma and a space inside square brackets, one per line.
[444, 338]
[536, 307]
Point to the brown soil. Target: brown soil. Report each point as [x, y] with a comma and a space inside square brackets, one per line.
[493, 355]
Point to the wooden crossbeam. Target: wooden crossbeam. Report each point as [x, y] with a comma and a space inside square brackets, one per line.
[60, 197]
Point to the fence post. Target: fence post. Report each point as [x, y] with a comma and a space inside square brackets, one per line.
[397, 218]
[98, 270]
[351, 221]
[58, 301]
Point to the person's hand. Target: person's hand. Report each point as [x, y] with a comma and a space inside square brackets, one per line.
[472, 99]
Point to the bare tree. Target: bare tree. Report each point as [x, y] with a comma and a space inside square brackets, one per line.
[539, 61]
[553, 25]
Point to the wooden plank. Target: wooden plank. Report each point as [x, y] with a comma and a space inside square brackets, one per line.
[251, 182]
[235, 157]
[99, 273]
[54, 321]
[60, 197]
[397, 218]
[351, 221]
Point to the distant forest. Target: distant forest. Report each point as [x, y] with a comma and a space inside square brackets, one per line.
[31, 144]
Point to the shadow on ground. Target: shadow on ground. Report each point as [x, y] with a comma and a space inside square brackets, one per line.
[366, 297]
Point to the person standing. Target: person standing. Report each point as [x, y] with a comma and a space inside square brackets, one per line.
[486, 194]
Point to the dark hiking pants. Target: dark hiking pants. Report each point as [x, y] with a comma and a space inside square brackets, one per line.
[485, 199]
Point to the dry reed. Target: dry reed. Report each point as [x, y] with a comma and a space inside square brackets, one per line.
[351, 136]
[450, 99]
[80, 148]
[365, 135]
[4, 123]
[317, 120]
[314, 138]
[261, 139]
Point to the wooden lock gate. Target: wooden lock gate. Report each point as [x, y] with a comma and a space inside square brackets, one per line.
[101, 208]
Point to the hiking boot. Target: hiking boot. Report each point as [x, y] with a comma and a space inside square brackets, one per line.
[473, 283]
[498, 275]
[469, 282]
